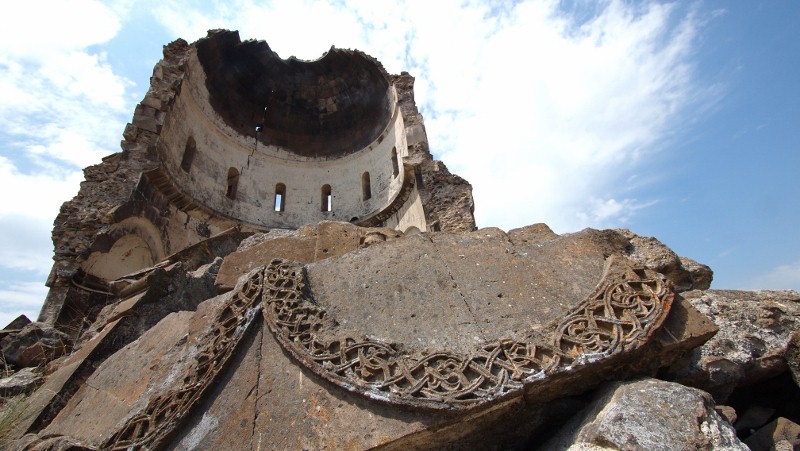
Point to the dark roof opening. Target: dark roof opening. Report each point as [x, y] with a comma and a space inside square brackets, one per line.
[326, 108]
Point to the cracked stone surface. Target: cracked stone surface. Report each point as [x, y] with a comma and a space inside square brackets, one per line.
[121, 381]
[459, 291]
[648, 414]
[755, 333]
[480, 282]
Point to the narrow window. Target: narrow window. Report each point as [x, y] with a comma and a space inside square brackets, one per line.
[233, 181]
[280, 197]
[365, 188]
[326, 198]
[395, 165]
[188, 154]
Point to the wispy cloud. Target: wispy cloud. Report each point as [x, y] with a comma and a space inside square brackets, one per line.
[61, 108]
[780, 277]
[20, 299]
[59, 99]
[558, 114]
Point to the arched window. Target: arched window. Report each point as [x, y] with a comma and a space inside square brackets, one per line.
[188, 154]
[366, 191]
[233, 181]
[280, 197]
[326, 198]
[395, 164]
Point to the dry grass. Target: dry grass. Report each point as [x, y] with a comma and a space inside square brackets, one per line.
[10, 413]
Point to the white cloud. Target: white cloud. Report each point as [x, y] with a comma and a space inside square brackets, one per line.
[303, 29]
[59, 98]
[604, 211]
[62, 108]
[40, 29]
[21, 299]
[783, 277]
[560, 114]
[25, 244]
[26, 217]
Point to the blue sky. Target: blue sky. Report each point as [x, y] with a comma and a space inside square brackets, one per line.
[675, 120]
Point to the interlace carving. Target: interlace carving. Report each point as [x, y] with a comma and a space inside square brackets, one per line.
[621, 313]
[619, 316]
[153, 425]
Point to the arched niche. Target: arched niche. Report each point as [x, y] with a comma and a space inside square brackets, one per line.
[129, 246]
[129, 254]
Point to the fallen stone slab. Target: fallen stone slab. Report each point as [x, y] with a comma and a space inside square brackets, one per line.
[296, 246]
[108, 395]
[780, 434]
[34, 345]
[167, 289]
[47, 400]
[308, 244]
[685, 273]
[17, 323]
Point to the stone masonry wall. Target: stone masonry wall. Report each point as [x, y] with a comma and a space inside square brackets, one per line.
[109, 185]
[447, 197]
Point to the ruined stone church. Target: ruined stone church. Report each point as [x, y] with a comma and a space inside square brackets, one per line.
[274, 260]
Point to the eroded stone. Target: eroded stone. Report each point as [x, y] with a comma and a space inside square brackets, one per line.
[23, 381]
[755, 331]
[648, 414]
[34, 345]
[779, 434]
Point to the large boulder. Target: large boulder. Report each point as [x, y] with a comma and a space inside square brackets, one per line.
[23, 381]
[34, 345]
[755, 333]
[685, 273]
[647, 414]
[781, 434]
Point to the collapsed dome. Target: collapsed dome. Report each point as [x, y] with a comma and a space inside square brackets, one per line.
[326, 108]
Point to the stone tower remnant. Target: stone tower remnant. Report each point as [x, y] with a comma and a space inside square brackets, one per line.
[230, 135]
[274, 260]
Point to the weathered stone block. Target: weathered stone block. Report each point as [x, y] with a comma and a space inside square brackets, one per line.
[34, 345]
[755, 332]
[781, 434]
[110, 393]
[648, 414]
[23, 381]
[335, 238]
[295, 248]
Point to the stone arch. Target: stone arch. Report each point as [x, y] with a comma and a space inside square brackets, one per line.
[188, 154]
[366, 189]
[413, 230]
[326, 202]
[395, 163]
[232, 184]
[280, 197]
[131, 245]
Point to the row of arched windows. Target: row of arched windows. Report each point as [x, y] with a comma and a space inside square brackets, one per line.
[326, 202]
